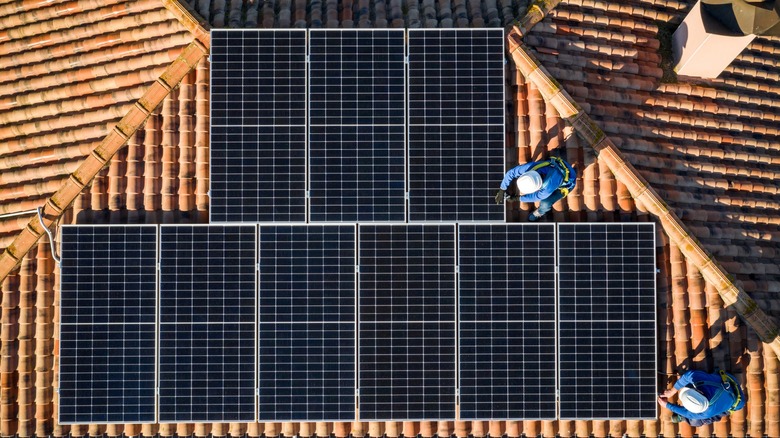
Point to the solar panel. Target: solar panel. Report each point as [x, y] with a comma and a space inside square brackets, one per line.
[607, 347]
[258, 125]
[307, 323]
[108, 295]
[456, 124]
[357, 125]
[507, 321]
[406, 322]
[207, 323]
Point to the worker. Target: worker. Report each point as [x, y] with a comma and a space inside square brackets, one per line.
[545, 181]
[705, 397]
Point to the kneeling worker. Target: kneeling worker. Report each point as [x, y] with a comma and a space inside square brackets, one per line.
[546, 181]
[705, 398]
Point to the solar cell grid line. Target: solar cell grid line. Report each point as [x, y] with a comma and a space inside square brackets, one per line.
[108, 297]
[606, 322]
[258, 125]
[456, 124]
[507, 342]
[357, 125]
[406, 322]
[208, 322]
[307, 323]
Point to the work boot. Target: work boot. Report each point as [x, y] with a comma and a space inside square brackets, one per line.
[533, 217]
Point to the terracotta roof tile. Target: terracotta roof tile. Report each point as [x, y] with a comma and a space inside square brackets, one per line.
[686, 138]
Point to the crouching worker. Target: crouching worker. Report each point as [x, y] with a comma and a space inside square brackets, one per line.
[705, 398]
[546, 181]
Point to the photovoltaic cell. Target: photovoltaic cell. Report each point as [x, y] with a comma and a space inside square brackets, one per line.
[456, 124]
[507, 321]
[207, 323]
[357, 125]
[607, 347]
[406, 322]
[307, 323]
[258, 125]
[108, 306]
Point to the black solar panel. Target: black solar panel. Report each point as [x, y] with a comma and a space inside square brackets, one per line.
[307, 323]
[207, 323]
[407, 322]
[507, 321]
[607, 348]
[456, 124]
[357, 125]
[258, 125]
[108, 297]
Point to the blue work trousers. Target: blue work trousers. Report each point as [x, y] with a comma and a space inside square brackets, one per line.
[546, 205]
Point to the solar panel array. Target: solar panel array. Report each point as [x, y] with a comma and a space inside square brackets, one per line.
[507, 321]
[258, 125]
[341, 142]
[607, 321]
[357, 122]
[108, 295]
[407, 322]
[456, 123]
[296, 344]
[207, 323]
[307, 323]
[358, 315]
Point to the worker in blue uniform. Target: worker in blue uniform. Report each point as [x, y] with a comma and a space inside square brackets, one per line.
[546, 181]
[705, 397]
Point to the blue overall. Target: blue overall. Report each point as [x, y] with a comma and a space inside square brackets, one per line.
[711, 385]
[552, 182]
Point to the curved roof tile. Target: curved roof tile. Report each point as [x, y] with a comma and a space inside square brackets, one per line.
[687, 139]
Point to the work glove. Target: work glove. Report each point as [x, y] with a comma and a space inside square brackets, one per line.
[500, 194]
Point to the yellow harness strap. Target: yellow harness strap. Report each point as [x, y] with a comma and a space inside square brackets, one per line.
[727, 382]
[562, 165]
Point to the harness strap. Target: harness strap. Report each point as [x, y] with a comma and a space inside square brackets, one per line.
[726, 383]
[727, 380]
[561, 166]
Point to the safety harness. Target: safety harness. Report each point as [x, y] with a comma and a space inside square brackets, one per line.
[730, 385]
[562, 167]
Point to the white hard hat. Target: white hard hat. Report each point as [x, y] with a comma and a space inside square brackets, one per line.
[693, 400]
[529, 182]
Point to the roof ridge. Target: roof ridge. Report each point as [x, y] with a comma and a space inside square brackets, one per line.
[624, 171]
[56, 205]
[190, 19]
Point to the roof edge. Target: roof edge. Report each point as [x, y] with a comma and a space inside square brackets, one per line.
[55, 206]
[640, 189]
[191, 20]
[534, 14]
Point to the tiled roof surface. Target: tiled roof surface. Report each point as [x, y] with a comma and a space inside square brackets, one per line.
[71, 70]
[711, 149]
